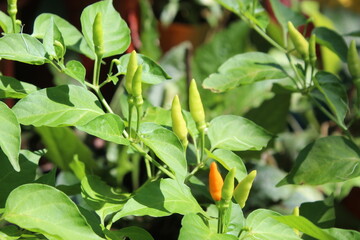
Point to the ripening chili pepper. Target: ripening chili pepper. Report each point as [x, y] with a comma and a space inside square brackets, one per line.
[131, 69]
[12, 7]
[228, 187]
[353, 61]
[242, 190]
[98, 35]
[178, 121]
[196, 107]
[312, 50]
[137, 86]
[300, 43]
[215, 182]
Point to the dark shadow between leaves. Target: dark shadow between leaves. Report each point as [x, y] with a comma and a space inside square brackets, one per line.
[150, 195]
[60, 94]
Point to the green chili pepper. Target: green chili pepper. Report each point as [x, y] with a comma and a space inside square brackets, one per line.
[312, 50]
[228, 187]
[131, 69]
[296, 212]
[137, 86]
[196, 107]
[300, 43]
[353, 61]
[242, 190]
[98, 35]
[215, 182]
[178, 121]
[12, 7]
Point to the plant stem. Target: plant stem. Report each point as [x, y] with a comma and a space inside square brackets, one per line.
[202, 146]
[130, 110]
[139, 113]
[220, 228]
[148, 168]
[297, 76]
[96, 74]
[103, 101]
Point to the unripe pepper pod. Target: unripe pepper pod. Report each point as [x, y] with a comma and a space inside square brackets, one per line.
[131, 69]
[353, 61]
[178, 121]
[98, 35]
[300, 43]
[242, 190]
[228, 188]
[12, 7]
[215, 182]
[196, 106]
[312, 50]
[137, 86]
[296, 212]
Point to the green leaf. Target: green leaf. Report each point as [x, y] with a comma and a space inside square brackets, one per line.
[342, 234]
[133, 233]
[194, 227]
[321, 213]
[116, 32]
[22, 48]
[237, 134]
[11, 179]
[6, 23]
[101, 197]
[52, 40]
[162, 197]
[13, 88]
[152, 72]
[305, 226]
[66, 105]
[230, 5]
[10, 132]
[331, 91]
[263, 226]
[10, 232]
[166, 145]
[284, 15]
[44, 209]
[229, 160]
[61, 151]
[328, 159]
[244, 69]
[73, 38]
[48, 178]
[75, 70]
[158, 115]
[108, 127]
[332, 40]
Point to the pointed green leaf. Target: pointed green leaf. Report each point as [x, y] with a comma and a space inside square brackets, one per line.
[285, 14]
[237, 134]
[332, 40]
[73, 38]
[108, 127]
[101, 197]
[132, 233]
[13, 88]
[11, 179]
[166, 145]
[328, 159]
[245, 68]
[66, 105]
[6, 23]
[262, 225]
[44, 209]
[76, 70]
[305, 226]
[152, 72]
[331, 91]
[116, 32]
[22, 48]
[48, 178]
[160, 198]
[62, 152]
[10, 135]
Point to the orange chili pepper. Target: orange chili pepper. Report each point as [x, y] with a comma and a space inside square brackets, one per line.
[215, 182]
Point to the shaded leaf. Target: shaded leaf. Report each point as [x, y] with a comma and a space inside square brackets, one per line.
[133, 233]
[328, 159]
[13, 88]
[152, 72]
[75, 70]
[52, 40]
[285, 14]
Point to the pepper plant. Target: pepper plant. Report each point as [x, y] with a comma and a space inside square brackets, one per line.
[175, 146]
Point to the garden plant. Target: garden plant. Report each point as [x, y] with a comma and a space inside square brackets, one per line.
[238, 152]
